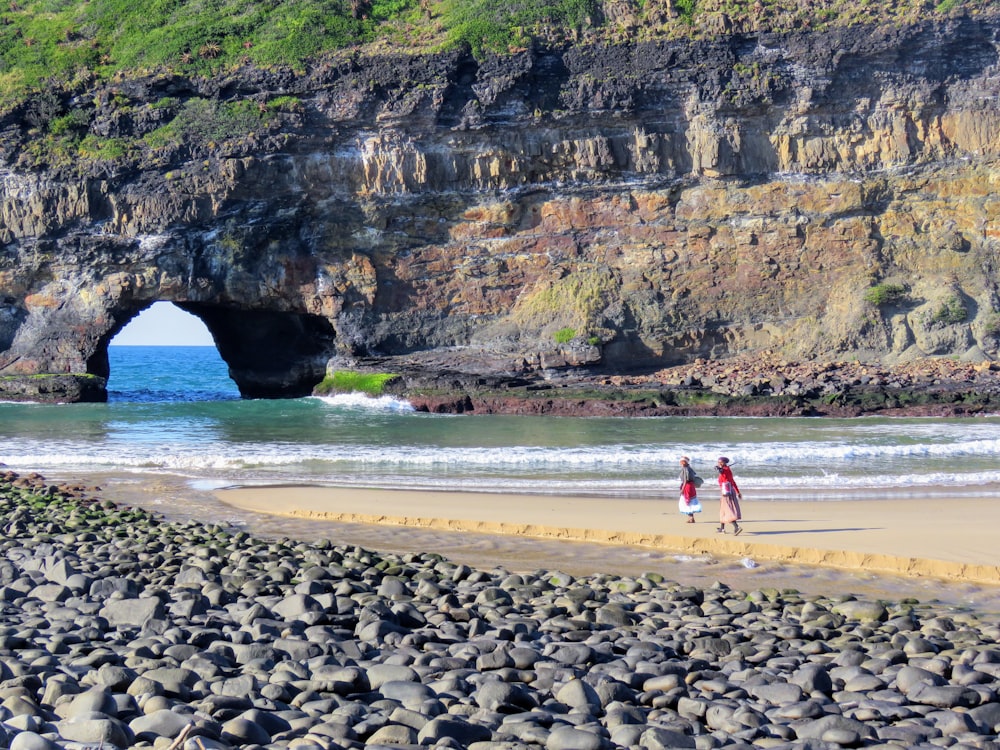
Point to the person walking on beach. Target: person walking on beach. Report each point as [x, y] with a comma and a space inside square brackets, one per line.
[688, 503]
[729, 502]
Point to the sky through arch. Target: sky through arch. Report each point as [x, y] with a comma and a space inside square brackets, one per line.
[164, 324]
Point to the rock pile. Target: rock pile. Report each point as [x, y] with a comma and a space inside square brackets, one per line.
[767, 374]
[119, 629]
[762, 384]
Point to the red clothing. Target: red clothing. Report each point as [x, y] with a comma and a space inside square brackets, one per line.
[726, 475]
[729, 507]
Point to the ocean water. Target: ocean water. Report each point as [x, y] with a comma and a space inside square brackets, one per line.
[174, 428]
[174, 411]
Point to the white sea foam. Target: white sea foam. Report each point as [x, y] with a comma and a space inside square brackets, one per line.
[360, 400]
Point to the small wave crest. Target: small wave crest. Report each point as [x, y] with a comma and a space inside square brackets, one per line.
[361, 401]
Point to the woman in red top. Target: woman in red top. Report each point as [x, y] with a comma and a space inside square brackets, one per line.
[729, 505]
[688, 503]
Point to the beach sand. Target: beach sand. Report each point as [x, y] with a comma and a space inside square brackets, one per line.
[950, 540]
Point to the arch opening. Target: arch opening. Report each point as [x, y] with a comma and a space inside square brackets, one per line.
[267, 353]
[167, 354]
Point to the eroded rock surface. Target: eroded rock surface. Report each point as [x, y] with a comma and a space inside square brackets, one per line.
[826, 195]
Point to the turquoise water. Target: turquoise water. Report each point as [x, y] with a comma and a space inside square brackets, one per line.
[173, 410]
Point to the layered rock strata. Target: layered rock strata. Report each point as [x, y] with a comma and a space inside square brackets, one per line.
[612, 209]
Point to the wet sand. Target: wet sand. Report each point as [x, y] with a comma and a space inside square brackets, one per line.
[949, 540]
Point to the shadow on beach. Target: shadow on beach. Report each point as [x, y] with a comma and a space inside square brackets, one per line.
[779, 532]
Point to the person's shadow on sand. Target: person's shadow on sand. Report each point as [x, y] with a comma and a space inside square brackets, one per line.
[806, 531]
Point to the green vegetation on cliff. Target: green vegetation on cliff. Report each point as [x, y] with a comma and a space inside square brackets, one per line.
[69, 42]
[344, 381]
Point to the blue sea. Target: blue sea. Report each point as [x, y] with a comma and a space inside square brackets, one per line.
[174, 428]
[174, 411]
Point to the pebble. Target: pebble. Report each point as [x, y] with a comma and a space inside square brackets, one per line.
[121, 630]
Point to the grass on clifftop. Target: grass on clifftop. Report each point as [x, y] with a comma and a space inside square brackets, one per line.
[70, 42]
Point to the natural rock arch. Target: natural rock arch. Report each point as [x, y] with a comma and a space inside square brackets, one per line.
[270, 354]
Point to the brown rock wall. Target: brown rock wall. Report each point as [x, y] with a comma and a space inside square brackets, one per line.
[615, 208]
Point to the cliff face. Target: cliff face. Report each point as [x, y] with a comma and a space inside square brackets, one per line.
[822, 195]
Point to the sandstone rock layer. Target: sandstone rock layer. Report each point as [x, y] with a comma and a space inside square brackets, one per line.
[825, 195]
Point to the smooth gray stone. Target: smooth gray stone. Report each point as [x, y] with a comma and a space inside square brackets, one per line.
[51, 592]
[627, 735]
[113, 677]
[295, 606]
[298, 650]
[32, 741]
[102, 588]
[987, 716]
[240, 731]
[615, 615]
[96, 699]
[497, 659]
[910, 678]
[407, 717]
[796, 711]
[612, 690]
[572, 654]
[505, 697]
[206, 743]
[812, 678]
[244, 653]
[410, 694]
[392, 734]
[273, 722]
[694, 709]
[918, 645]
[571, 738]
[191, 576]
[462, 731]
[842, 728]
[132, 612]
[579, 695]
[162, 723]
[864, 683]
[377, 675]
[776, 694]
[59, 570]
[175, 681]
[236, 687]
[379, 630]
[911, 735]
[392, 586]
[25, 723]
[865, 611]
[944, 696]
[658, 738]
[105, 731]
[951, 723]
[20, 706]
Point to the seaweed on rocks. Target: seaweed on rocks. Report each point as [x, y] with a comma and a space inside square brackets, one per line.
[121, 629]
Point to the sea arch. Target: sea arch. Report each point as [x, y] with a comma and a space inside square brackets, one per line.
[269, 353]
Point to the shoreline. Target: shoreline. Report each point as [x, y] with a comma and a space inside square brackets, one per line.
[903, 537]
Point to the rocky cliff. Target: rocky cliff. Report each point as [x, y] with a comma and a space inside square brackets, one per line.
[592, 208]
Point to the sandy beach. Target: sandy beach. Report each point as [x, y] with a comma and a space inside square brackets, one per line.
[953, 540]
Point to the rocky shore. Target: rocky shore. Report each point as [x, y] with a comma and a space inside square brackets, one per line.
[121, 629]
[762, 384]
